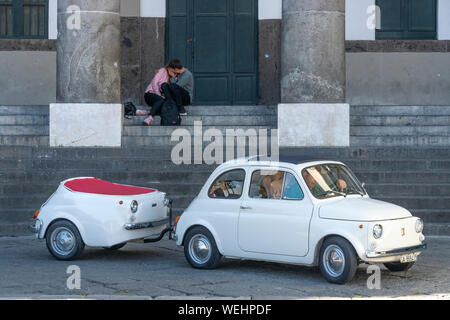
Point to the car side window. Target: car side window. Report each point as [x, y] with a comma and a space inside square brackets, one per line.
[266, 184]
[228, 185]
[291, 188]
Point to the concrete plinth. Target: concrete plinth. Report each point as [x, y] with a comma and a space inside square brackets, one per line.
[85, 125]
[314, 125]
[88, 51]
[313, 51]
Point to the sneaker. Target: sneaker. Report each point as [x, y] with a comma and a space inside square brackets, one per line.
[182, 111]
[148, 121]
[142, 112]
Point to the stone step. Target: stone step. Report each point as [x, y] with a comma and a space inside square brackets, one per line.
[102, 154]
[142, 163]
[399, 120]
[129, 164]
[400, 110]
[146, 140]
[15, 229]
[399, 131]
[157, 131]
[371, 153]
[250, 110]
[418, 202]
[42, 120]
[24, 110]
[405, 177]
[398, 165]
[24, 130]
[409, 190]
[24, 140]
[404, 141]
[121, 176]
[164, 152]
[437, 229]
[432, 215]
[220, 120]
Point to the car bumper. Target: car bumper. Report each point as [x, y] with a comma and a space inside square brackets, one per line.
[146, 225]
[373, 254]
[36, 227]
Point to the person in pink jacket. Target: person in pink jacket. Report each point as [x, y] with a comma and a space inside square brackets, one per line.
[153, 95]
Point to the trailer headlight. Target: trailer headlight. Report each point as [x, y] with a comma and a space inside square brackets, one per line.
[377, 231]
[134, 206]
[419, 225]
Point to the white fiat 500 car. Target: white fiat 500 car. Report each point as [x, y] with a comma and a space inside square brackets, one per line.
[97, 213]
[296, 211]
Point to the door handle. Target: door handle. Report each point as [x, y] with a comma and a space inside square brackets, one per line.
[246, 207]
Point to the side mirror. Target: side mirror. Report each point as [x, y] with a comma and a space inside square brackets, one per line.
[363, 185]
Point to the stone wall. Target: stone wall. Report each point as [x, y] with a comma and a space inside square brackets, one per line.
[398, 78]
[269, 61]
[27, 77]
[143, 52]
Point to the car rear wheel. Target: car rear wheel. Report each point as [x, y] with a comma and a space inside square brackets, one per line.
[337, 260]
[200, 249]
[397, 266]
[64, 241]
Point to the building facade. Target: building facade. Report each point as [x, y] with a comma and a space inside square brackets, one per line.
[363, 81]
[235, 49]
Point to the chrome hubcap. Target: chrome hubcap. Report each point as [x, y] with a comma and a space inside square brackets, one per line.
[63, 241]
[200, 249]
[334, 260]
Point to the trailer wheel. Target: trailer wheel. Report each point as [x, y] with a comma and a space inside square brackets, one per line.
[116, 247]
[200, 249]
[64, 241]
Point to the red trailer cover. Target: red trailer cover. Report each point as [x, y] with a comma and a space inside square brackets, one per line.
[97, 186]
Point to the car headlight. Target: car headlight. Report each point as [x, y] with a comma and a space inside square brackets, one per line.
[419, 225]
[134, 206]
[377, 231]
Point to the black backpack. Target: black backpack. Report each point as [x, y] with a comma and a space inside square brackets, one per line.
[169, 114]
[130, 110]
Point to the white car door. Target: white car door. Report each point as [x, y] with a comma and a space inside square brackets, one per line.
[221, 207]
[274, 221]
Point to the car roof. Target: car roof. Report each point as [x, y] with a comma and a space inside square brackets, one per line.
[289, 161]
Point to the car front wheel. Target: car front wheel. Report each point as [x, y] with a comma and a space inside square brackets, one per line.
[64, 240]
[200, 249]
[337, 260]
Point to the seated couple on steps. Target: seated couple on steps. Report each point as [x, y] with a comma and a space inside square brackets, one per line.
[172, 82]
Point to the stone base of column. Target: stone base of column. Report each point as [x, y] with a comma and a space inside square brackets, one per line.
[86, 125]
[314, 125]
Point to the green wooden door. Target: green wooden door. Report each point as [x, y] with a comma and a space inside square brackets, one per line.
[407, 19]
[217, 40]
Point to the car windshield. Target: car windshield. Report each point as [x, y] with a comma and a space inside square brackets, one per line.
[331, 180]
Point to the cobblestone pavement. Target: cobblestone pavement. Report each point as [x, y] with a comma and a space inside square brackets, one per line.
[160, 271]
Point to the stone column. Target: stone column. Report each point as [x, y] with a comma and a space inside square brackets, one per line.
[88, 112]
[313, 76]
[313, 51]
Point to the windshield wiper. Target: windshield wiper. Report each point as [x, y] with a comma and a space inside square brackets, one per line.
[357, 191]
[326, 193]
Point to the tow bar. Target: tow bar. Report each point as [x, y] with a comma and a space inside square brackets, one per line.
[168, 229]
